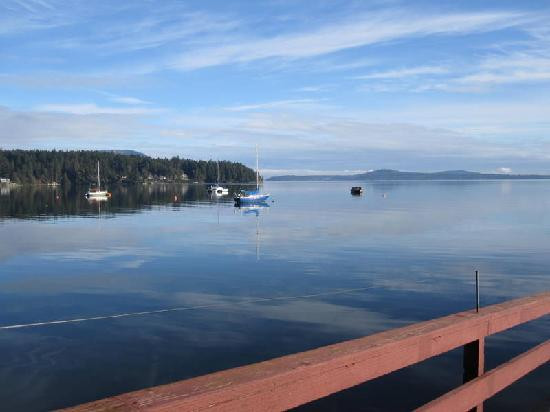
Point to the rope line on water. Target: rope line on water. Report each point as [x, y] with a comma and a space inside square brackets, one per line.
[183, 308]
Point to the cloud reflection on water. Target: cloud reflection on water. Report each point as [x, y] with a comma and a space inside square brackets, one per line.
[416, 249]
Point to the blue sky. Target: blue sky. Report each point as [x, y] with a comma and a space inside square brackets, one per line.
[323, 87]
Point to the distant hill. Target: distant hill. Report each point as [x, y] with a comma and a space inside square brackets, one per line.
[125, 152]
[389, 174]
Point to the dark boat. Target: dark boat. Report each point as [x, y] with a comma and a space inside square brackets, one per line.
[356, 190]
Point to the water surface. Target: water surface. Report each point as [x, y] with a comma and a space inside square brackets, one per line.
[314, 267]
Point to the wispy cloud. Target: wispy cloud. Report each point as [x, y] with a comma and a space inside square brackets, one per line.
[129, 100]
[18, 16]
[278, 104]
[63, 130]
[92, 108]
[310, 172]
[371, 29]
[517, 67]
[315, 89]
[504, 170]
[523, 62]
[405, 72]
[164, 26]
[94, 73]
[337, 65]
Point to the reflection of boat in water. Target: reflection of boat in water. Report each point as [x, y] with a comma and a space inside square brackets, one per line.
[97, 198]
[217, 189]
[252, 196]
[253, 208]
[96, 193]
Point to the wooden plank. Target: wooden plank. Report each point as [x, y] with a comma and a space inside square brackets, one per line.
[476, 391]
[293, 380]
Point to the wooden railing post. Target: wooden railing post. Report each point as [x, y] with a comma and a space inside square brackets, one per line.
[474, 364]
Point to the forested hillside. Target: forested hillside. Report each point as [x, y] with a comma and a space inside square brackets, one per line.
[80, 167]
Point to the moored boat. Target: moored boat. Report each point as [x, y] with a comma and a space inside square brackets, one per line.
[252, 196]
[217, 189]
[96, 192]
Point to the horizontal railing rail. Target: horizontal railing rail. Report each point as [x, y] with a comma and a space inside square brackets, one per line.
[292, 380]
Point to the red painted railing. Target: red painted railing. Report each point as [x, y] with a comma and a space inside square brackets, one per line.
[293, 380]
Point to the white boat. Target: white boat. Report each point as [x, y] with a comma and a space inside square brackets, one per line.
[252, 196]
[217, 189]
[97, 193]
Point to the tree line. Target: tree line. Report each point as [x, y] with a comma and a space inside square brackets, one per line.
[80, 167]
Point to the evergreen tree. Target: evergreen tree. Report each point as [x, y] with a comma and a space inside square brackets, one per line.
[80, 167]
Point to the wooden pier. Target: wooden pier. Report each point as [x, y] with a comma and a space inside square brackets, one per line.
[294, 380]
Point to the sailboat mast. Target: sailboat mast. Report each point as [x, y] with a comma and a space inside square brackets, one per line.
[218, 165]
[257, 171]
[98, 181]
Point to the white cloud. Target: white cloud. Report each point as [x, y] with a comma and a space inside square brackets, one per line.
[405, 72]
[61, 130]
[371, 29]
[165, 25]
[278, 104]
[504, 170]
[334, 65]
[21, 16]
[314, 89]
[129, 100]
[92, 108]
[513, 76]
[522, 62]
[309, 172]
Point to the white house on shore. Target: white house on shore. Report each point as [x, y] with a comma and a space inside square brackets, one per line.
[4, 180]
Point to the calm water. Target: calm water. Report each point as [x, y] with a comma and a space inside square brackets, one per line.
[407, 249]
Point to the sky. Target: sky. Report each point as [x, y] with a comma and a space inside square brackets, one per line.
[322, 87]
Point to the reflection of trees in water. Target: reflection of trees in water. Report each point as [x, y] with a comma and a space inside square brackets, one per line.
[49, 202]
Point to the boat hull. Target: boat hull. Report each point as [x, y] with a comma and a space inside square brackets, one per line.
[218, 190]
[251, 199]
[98, 194]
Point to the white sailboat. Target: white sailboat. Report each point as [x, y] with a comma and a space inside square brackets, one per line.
[252, 196]
[97, 193]
[217, 189]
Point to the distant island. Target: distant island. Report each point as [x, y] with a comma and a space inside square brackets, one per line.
[389, 174]
[55, 167]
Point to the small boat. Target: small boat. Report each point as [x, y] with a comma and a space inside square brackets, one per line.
[252, 196]
[217, 189]
[356, 190]
[97, 193]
